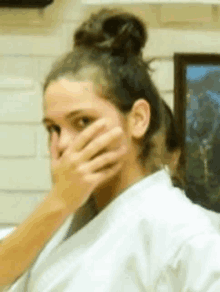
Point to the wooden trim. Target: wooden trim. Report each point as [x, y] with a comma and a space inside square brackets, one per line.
[181, 61]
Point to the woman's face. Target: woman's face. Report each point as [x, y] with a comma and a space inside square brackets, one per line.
[70, 107]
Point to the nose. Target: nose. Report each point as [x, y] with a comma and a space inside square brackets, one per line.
[65, 138]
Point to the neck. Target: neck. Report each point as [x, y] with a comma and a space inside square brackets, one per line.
[110, 190]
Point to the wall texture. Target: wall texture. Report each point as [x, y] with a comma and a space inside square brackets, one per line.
[30, 41]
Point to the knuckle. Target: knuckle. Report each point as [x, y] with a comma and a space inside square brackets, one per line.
[74, 159]
[89, 179]
[116, 132]
[81, 169]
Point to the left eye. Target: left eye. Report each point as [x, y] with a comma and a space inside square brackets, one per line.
[83, 122]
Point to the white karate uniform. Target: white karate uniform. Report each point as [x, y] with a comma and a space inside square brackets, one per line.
[150, 238]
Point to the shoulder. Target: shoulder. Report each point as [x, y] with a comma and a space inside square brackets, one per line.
[168, 224]
[195, 266]
[158, 213]
[155, 200]
[166, 218]
[163, 204]
[176, 217]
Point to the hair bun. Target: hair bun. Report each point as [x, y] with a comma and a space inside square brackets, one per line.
[111, 30]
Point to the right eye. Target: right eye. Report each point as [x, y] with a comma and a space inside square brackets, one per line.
[53, 128]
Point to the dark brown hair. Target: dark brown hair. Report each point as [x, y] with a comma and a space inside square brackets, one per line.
[173, 140]
[108, 52]
[173, 143]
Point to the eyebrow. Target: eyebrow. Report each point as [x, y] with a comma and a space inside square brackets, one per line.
[69, 116]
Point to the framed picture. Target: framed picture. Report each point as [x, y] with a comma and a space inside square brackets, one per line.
[197, 111]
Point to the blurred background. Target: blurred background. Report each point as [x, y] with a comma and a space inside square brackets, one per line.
[31, 39]
[203, 134]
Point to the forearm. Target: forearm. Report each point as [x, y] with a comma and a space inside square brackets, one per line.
[20, 249]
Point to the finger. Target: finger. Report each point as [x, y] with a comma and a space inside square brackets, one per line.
[100, 143]
[53, 145]
[87, 135]
[105, 160]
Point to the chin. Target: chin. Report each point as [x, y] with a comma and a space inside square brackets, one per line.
[110, 183]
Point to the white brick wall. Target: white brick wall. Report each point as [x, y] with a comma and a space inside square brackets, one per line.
[20, 106]
[44, 65]
[18, 66]
[24, 163]
[163, 77]
[164, 42]
[17, 141]
[42, 142]
[169, 98]
[16, 206]
[27, 55]
[24, 174]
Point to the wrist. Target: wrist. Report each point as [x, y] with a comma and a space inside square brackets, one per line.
[56, 202]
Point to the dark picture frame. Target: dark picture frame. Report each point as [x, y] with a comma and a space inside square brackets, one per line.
[197, 112]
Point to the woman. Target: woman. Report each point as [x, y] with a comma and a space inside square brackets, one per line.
[146, 234]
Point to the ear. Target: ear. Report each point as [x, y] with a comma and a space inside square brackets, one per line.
[139, 118]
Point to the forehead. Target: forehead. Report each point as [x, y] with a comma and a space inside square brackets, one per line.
[66, 95]
[66, 92]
